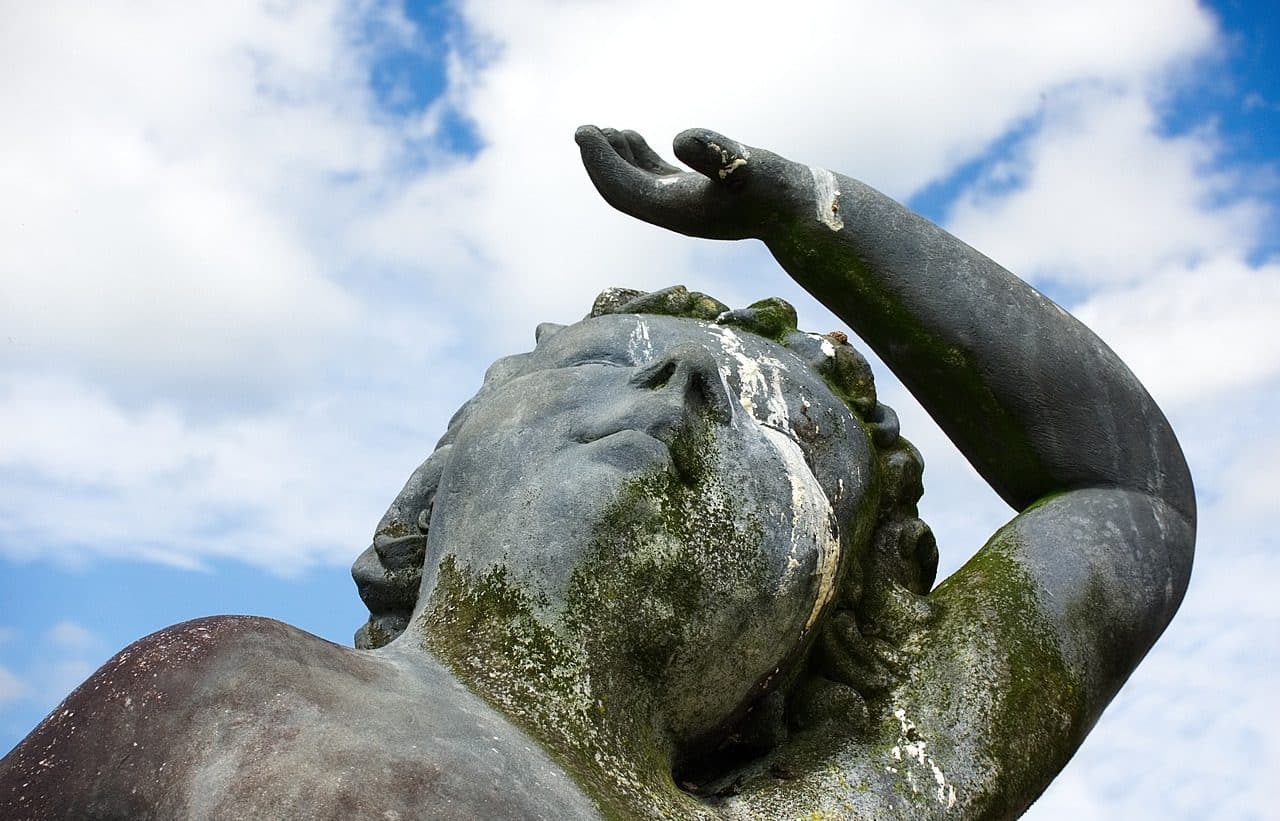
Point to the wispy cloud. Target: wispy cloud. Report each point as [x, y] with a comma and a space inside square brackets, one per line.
[71, 636]
[11, 687]
[69, 652]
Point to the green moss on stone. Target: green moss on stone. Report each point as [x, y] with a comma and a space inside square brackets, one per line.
[929, 365]
[1026, 707]
[588, 679]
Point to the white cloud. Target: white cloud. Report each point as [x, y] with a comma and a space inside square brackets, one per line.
[70, 636]
[1100, 197]
[166, 169]
[901, 90]
[1194, 331]
[898, 103]
[188, 329]
[279, 489]
[11, 687]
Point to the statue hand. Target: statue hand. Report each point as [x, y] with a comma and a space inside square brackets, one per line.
[736, 192]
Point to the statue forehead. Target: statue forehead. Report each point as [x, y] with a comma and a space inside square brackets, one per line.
[772, 380]
[638, 339]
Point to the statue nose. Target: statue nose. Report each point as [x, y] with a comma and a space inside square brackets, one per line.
[691, 372]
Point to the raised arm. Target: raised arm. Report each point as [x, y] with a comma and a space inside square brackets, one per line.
[1045, 411]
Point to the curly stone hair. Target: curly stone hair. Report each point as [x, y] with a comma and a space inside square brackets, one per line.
[853, 657]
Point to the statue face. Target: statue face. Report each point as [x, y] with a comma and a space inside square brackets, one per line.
[663, 493]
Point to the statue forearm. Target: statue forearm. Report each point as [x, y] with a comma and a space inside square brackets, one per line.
[1033, 398]
[1037, 402]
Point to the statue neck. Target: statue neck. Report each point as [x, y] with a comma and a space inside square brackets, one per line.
[597, 719]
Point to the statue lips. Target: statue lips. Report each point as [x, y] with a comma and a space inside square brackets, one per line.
[387, 576]
[400, 552]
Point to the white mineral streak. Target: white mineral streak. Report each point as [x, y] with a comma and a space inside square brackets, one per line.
[911, 746]
[638, 344]
[811, 518]
[826, 198]
[828, 350]
[727, 167]
[760, 390]
[761, 394]
[731, 167]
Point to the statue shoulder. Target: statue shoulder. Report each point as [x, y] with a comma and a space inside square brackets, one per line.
[248, 717]
[1041, 628]
[120, 742]
[120, 726]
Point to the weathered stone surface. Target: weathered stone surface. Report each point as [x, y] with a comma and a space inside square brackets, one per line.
[237, 717]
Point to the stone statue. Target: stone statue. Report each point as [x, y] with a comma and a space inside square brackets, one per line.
[668, 563]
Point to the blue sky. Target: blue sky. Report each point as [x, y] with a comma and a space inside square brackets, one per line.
[256, 255]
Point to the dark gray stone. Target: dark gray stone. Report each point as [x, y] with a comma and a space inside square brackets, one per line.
[668, 563]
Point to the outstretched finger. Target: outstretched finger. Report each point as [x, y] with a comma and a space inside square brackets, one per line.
[611, 172]
[622, 184]
[620, 144]
[682, 201]
[646, 157]
[713, 155]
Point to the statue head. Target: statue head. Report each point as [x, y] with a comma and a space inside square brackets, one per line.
[706, 508]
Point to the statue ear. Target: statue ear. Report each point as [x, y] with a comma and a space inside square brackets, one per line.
[546, 330]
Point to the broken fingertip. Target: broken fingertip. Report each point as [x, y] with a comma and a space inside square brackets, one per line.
[711, 154]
